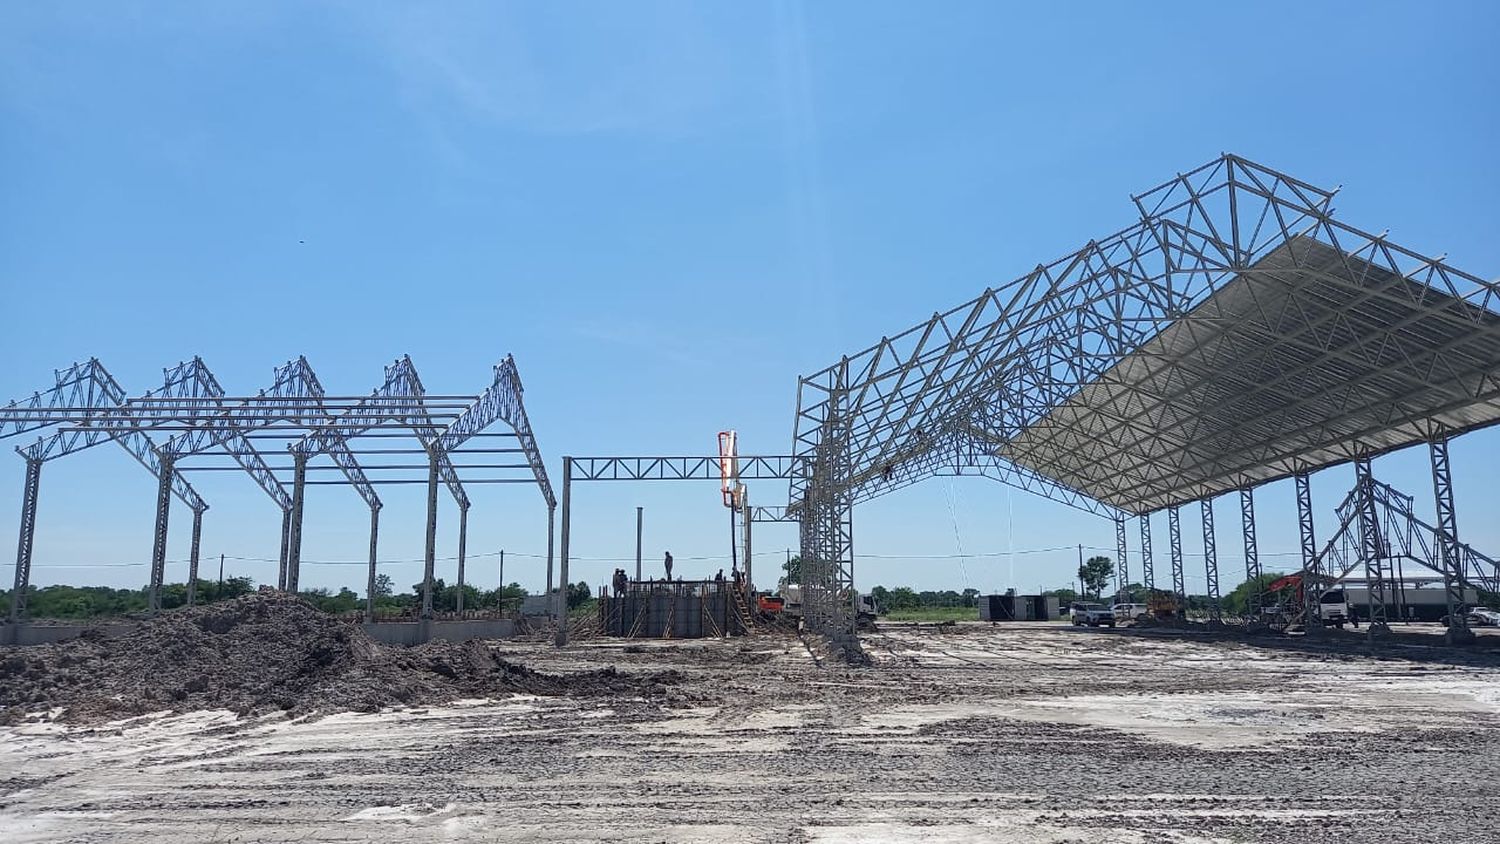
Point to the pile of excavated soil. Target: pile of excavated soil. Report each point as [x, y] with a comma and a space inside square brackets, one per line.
[264, 653]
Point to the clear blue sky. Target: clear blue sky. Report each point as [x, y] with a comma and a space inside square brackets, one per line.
[666, 212]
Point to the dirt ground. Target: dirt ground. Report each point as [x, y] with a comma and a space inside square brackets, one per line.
[1027, 733]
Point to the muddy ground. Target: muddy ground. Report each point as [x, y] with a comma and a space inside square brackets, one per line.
[1029, 733]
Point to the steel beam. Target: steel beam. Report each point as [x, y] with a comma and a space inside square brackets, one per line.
[463, 544]
[26, 542]
[192, 584]
[561, 611]
[640, 522]
[1311, 588]
[1449, 551]
[1179, 580]
[370, 585]
[1252, 552]
[551, 531]
[430, 560]
[159, 540]
[1211, 562]
[748, 552]
[1146, 564]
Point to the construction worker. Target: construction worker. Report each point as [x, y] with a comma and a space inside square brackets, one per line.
[668, 563]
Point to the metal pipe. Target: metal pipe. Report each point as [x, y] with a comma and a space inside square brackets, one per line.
[749, 554]
[639, 523]
[562, 593]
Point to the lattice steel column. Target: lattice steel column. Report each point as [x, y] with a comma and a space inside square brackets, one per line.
[1149, 577]
[463, 542]
[159, 537]
[1252, 552]
[1122, 566]
[1211, 562]
[1449, 552]
[1179, 581]
[561, 610]
[192, 584]
[294, 534]
[1311, 590]
[374, 546]
[1369, 544]
[26, 542]
[829, 601]
[430, 560]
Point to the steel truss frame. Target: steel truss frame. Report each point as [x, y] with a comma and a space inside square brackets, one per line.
[1377, 526]
[620, 469]
[87, 407]
[1150, 368]
[80, 392]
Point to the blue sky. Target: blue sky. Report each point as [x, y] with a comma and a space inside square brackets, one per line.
[666, 212]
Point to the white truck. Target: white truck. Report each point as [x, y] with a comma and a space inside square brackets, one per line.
[791, 596]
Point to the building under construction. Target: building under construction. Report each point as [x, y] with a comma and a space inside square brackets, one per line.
[676, 609]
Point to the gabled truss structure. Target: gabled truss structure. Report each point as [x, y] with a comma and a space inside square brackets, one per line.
[197, 419]
[81, 392]
[1234, 335]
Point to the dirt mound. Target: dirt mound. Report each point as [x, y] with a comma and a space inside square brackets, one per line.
[267, 652]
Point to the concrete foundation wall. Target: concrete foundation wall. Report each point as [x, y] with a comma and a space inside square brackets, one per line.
[415, 633]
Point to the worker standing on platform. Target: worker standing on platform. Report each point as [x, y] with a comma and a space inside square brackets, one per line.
[668, 563]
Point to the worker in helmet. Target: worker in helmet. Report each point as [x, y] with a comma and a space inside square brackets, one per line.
[668, 564]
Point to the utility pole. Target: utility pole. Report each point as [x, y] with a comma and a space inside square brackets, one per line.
[221, 577]
[501, 593]
[638, 522]
[1080, 571]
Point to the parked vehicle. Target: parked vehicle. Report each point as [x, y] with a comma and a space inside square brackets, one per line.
[1333, 609]
[1484, 617]
[1478, 617]
[1092, 615]
[1130, 612]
